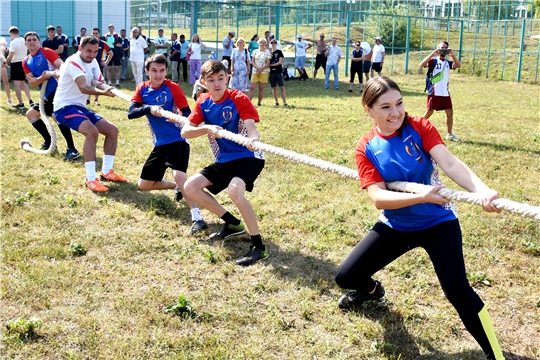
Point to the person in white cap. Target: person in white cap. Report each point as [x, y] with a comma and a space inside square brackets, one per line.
[377, 57]
[300, 61]
[228, 46]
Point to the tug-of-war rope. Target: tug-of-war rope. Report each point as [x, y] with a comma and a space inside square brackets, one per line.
[463, 196]
[25, 143]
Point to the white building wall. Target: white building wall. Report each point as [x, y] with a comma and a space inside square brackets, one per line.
[114, 12]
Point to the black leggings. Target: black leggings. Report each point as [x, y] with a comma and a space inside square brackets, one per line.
[356, 68]
[443, 243]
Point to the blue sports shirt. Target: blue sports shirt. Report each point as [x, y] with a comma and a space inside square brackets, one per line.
[42, 61]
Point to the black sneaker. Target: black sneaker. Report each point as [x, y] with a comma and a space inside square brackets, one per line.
[19, 107]
[197, 226]
[178, 195]
[32, 104]
[354, 298]
[252, 256]
[71, 154]
[45, 146]
[227, 231]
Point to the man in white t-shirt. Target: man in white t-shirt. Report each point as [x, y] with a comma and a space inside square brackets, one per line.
[17, 52]
[300, 61]
[137, 48]
[161, 43]
[228, 46]
[377, 59]
[74, 87]
[437, 80]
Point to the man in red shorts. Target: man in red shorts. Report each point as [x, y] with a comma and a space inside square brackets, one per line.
[437, 84]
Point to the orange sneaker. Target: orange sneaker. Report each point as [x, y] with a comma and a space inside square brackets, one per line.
[96, 186]
[112, 176]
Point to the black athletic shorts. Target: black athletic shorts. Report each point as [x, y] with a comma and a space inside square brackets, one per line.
[221, 174]
[174, 155]
[49, 108]
[17, 71]
[116, 60]
[366, 66]
[376, 66]
[276, 79]
[320, 60]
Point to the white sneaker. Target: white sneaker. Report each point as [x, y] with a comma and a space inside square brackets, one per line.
[9, 103]
[452, 137]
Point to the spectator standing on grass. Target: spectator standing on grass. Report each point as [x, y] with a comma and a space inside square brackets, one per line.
[261, 63]
[356, 66]
[241, 63]
[437, 79]
[183, 57]
[377, 59]
[3, 70]
[149, 44]
[161, 43]
[36, 68]
[125, 53]
[104, 57]
[401, 147]
[171, 150]
[236, 167]
[320, 58]
[115, 44]
[138, 47]
[253, 45]
[17, 52]
[74, 86]
[276, 69]
[174, 57]
[195, 58]
[65, 42]
[300, 60]
[333, 56]
[228, 46]
[366, 63]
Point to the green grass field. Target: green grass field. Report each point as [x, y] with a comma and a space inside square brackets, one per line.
[109, 302]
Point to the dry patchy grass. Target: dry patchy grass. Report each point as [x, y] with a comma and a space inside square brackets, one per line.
[109, 303]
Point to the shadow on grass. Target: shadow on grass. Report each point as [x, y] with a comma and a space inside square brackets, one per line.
[160, 202]
[499, 147]
[398, 343]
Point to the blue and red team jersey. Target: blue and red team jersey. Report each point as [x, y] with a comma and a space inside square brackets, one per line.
[102, 51]
[382, 158]
[171, 98]
[42, 61]
[228, 113]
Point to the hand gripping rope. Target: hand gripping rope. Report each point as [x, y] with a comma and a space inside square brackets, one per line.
[463, 196]
[25, 143]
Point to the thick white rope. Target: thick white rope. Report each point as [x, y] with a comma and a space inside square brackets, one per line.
[25, 143]
[463, 196]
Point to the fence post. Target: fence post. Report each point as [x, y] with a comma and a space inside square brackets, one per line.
[407, 44]
[489, 47]
[100, 14]
[521, 45]
[348, 35]
[194, 18]
[278, 21]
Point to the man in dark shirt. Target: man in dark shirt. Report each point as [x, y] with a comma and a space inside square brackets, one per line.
[276, 67]
[53, 42]
[125, 53]
[65, 42]
[77, 39]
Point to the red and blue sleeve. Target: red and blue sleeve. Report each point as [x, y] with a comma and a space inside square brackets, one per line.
[367, 171]
[245, 107]
[50, 55]
[197, 117]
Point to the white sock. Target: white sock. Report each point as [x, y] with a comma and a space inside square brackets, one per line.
[108, 161]
[195, 214]
[117, 82]
[177, 188]
[90, 167]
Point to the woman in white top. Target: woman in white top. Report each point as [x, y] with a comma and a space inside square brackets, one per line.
[195, 58]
